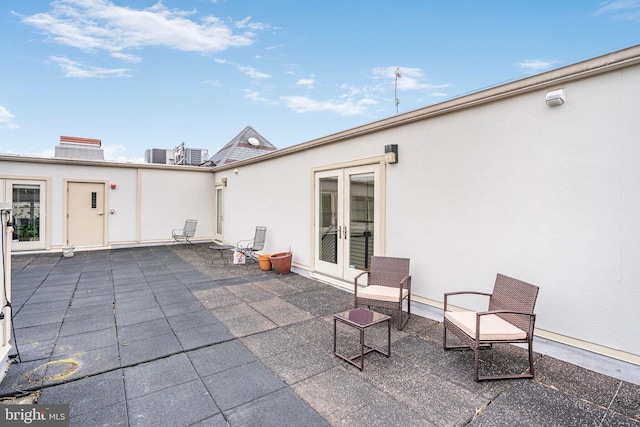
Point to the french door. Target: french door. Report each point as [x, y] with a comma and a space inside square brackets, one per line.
[347, 220]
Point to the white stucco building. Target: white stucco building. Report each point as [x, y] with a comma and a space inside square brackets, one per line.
[493, 182]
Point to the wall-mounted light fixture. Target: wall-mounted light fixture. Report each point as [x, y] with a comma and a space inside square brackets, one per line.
[113, 186]
[391, 153]
[555, 97]
[235, 171]
[224, 182]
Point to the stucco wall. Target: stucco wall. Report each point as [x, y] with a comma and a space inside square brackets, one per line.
[547, 195]
[148, 202]
[167, 199]
[277, 194]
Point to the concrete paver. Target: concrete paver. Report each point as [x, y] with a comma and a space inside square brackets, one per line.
[171, 335]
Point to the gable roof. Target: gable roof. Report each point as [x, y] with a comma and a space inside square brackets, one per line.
[241, 148]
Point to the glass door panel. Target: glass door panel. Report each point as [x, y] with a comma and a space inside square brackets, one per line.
[362, 216]
[26, 213]
[328, 230]
[27, 204]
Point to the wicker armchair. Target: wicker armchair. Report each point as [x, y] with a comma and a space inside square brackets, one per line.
[388, 284]
[510, 319]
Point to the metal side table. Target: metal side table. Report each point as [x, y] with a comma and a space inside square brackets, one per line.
[221, 249]
[361, 319]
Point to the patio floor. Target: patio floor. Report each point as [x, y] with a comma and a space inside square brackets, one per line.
[170, 335]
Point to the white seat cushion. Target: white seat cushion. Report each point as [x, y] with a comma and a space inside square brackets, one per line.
[382, 293]
[492, 327]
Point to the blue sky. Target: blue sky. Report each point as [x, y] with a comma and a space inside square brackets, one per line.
[141, 74]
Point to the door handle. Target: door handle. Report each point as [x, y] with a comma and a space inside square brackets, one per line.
[345, 233]
[101, 213]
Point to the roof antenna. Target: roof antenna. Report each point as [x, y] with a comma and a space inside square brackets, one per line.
[397, 76]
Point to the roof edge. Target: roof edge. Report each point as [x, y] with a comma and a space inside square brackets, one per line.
[99, 163]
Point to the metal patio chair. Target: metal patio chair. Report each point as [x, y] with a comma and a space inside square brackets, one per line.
[182, 235]
[388, 284]
[251, 246]
[509, 319]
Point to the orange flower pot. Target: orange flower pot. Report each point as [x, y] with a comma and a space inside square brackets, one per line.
[265, 262]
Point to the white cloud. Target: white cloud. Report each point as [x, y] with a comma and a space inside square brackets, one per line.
[303, 104]
[411, 78]
[627, 10]
[255, 96]
[93, 25]
[357, 100]
[6, 119]
[534, 66]
[134, 59]
[616, 5]
[75, 69]
[116, 153]
[253, 73]
[308, 83]
[256, 26]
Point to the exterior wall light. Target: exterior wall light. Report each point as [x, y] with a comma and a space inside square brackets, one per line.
[391, 153]
[555, 97]
[224, 182]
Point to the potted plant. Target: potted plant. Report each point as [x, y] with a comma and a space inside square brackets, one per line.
[30, 230]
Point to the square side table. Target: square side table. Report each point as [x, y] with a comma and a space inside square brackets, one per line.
[361, 319]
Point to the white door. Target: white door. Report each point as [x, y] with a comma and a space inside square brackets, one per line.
[85, 214]
[347, 220]
[27, 211]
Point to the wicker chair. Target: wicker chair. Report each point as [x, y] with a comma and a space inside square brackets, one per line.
[251, 246]
[510, 319]
[182, 235]
[388, 284]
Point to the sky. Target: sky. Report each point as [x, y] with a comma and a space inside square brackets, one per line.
[141, 74]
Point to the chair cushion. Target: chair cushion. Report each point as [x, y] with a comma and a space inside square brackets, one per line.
[381, 293]
[492, 327]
